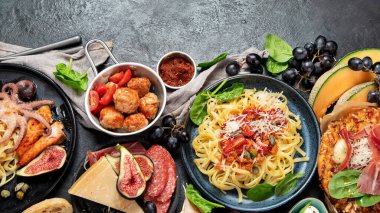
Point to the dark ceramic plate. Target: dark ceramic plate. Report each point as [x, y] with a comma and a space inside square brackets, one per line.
[40, 186]
[84, 205]
[310, 132]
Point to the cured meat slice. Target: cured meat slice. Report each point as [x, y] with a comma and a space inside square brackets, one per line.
[160, 176]
[369, 180]
[166, 195]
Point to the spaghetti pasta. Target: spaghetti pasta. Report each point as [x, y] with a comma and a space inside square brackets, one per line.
[247, 141]
[8, 161]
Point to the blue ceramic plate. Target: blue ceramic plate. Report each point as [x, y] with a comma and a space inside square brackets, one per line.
[310, 132]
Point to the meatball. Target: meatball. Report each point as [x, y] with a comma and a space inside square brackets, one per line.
[135, 122]
[141, 85]
[110, 118]
[126, 100]
[149, 105]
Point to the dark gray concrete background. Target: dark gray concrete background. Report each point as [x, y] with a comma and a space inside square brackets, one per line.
[142, 31]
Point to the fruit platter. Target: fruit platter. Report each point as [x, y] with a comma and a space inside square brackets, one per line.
[285, 126]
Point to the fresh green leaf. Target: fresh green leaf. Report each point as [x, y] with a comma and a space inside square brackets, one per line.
[207, 64]
[230, 93]
[287, 184]
[344, 184]
[305, 207]
[198, 110]
[278, 49]
[275, 67]
[261, 192]
[71, 77]
[368, 200]
[195, 198]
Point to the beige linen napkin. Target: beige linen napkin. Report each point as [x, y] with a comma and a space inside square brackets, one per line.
[46, 62]
[179, 102]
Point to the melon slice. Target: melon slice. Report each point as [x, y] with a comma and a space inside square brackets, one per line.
[373, 53]
[331, 87]
[358, 93]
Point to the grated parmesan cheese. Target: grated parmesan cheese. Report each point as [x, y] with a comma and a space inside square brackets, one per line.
[361, 154]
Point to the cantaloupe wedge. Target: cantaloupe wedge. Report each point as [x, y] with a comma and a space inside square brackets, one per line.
[357, 93]
[334, 83]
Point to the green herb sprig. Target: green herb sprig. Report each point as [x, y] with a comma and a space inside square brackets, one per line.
[71, 77]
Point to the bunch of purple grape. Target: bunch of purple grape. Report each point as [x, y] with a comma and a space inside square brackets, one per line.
[366, 64]
[310, 62]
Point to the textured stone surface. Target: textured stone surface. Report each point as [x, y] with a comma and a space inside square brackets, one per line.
[142, 31]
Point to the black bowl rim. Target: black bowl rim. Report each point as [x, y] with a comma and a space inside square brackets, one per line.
[45, 77]
[299, 190]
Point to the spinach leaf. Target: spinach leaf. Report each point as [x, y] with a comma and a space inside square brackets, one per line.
[305, 207]
[260, 192]
[207, 64]
[287, 184]
[275, 67]
[368, 200]
[195, 198]
[230, 93]
[71, 77]
[278, 49]
[344, 184]
[198, 110]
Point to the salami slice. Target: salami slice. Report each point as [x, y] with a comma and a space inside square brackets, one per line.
[171, 183]
[160, 176]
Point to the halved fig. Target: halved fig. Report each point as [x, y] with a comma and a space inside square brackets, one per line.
[146, 165]
[131, 182]
[51, 159]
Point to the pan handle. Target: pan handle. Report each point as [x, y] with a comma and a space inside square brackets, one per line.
[86, 50]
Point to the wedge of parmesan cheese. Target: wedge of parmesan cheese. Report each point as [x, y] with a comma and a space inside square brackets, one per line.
[98, 184]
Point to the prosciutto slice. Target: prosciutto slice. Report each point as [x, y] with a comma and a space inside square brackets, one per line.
[369, 180]
[134, 148]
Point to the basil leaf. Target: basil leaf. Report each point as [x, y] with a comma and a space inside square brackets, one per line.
[275, 67]
[198, 110]
[230, 93]
[344, 184]
[287, 184]
[207, 64]
[71, 77]
[195, 198]
[305, 207]
[278, 49]
[260, 192]
[368, 200]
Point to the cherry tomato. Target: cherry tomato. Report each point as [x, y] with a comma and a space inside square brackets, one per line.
[127, 76]
[116, 78]
[101, 89]
[234, 145]
[107, 98]
[94, 100]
